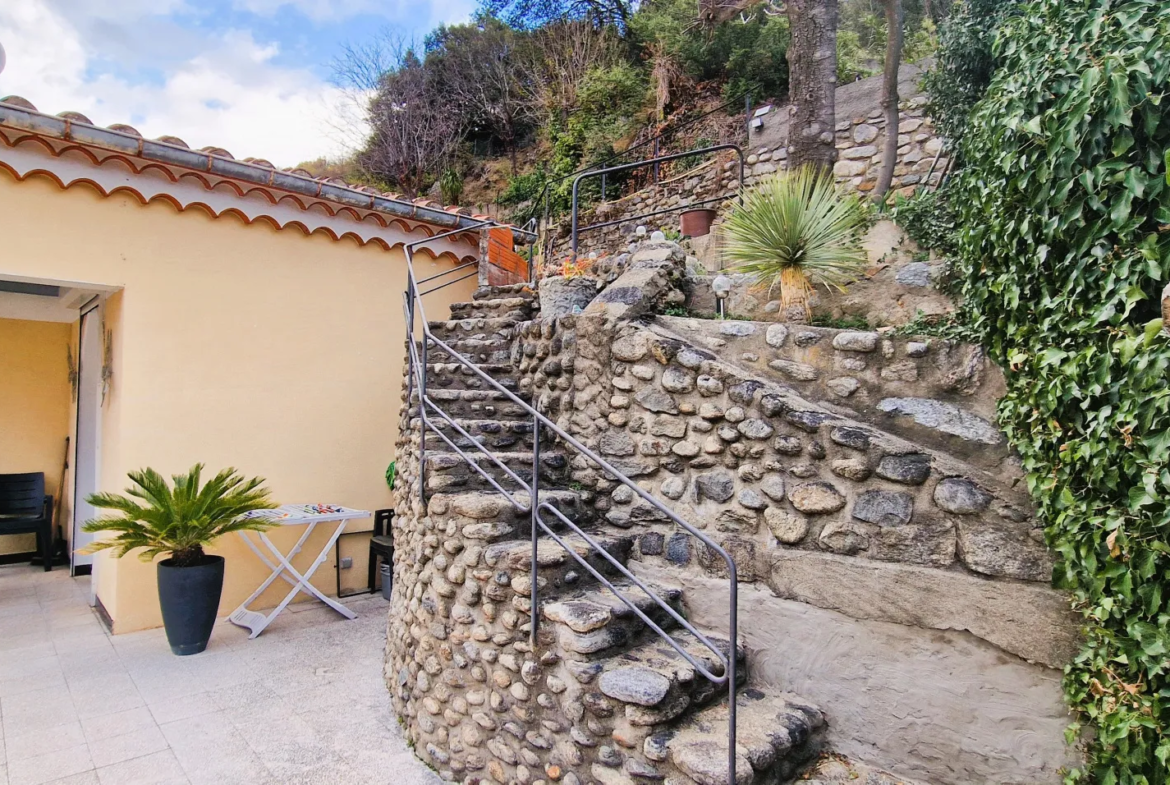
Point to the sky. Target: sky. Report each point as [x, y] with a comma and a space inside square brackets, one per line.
[254, 77]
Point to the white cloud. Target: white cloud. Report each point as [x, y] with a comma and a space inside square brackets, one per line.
[222, 90]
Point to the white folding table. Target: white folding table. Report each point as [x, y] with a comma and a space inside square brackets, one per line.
[308, 515]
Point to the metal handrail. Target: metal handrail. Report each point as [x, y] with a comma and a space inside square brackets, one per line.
[654, 140]
[650, 162]
[417, 374]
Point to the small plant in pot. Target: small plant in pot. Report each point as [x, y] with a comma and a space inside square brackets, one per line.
[155, 519]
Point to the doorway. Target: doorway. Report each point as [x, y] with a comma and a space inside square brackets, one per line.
[51, 358]
[88, 431]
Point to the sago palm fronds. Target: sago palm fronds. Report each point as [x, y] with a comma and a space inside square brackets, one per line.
[180, 521]
[794, 231]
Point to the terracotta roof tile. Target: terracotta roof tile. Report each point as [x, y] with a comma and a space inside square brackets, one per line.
[122, 128]
[16, 100]
[293, 179]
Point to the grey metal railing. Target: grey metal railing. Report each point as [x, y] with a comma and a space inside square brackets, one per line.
[655, 162]
[430, 413]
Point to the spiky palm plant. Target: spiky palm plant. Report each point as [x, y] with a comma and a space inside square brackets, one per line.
[179, 521]
[795, 231]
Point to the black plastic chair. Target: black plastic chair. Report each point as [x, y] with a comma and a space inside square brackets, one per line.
[381, 543]
[26, 509]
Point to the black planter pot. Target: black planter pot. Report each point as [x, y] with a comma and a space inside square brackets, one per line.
[189, 597]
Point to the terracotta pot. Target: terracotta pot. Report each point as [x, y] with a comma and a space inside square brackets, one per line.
[696, 223]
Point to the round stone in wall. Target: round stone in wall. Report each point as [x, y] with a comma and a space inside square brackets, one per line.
[635, 685]
[787, 528]
[816, 498]
[674, 488]
[751, 499]
[961, 497]
[677, 380]
[864, 133]
[885, 508]
[776, 335]
[716, 486]
[773, 487]
[853, 341]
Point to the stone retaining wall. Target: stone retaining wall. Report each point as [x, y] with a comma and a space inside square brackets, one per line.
[827, 506]
[860, 134]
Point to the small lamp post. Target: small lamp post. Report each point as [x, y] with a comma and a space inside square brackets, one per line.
[722, 288]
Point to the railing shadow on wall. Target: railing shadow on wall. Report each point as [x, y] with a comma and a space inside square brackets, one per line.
[429, 413]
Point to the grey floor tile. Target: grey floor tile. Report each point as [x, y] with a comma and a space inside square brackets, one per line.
[84, 778]
[107, 726]
[38, 709]
[134, 744]
[182, 708]
[21, 744]
[302, 704]
[160, 768]
[50, 766]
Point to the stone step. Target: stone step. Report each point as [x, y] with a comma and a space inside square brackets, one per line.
[478, 350]
[448, 470]
[657, 684]
[516, 555]
[474, 404]
[775, 735]
[507, 291]
[502, 327]
[493, 434]
[556, 570]
[518, 308]
[457, 376]
[594, 621]
[489, 517]
[491, 506]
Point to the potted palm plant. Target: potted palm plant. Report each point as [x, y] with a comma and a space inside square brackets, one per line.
[155, 519]
[794, 231]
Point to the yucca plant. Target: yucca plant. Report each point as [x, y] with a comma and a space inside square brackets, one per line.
[181, 521]
[795, 231]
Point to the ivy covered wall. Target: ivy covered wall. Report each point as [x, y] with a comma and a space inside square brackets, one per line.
[1065, 248]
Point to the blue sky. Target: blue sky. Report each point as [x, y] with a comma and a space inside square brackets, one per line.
[251, 76]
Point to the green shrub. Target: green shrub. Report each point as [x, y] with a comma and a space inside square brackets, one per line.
[851, 58]
[749, 56]
[1063, 207]
[928, 219]
[964, 63]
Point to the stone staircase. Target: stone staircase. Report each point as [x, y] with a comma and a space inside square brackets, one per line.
[602, 698]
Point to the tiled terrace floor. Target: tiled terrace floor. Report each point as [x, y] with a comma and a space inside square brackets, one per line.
[303, 703]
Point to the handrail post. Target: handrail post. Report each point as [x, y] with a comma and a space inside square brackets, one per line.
[733, 629]
[576, 183]
[422, 420]
[656, 162]
[747, 119]
[534, 503]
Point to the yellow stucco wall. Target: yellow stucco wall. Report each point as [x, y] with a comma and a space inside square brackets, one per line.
[236, 345]
[34, 406]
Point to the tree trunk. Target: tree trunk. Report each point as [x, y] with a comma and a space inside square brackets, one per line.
[812, 82]
[894, 19]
